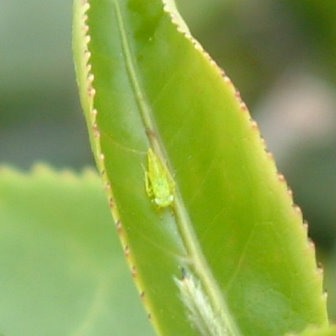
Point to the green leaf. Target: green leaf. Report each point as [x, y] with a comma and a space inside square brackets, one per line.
[327, 331]
[230, 255]
[62, 271]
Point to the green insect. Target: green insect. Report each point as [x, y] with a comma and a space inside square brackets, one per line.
[160, 185]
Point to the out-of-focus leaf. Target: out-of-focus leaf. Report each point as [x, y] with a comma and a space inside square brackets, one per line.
[62, 271]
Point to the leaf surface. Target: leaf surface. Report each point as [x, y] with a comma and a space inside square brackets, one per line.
[327, 331]
[62, 271]
[231, 251]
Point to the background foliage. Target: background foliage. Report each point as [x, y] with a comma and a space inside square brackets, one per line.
[281, 55]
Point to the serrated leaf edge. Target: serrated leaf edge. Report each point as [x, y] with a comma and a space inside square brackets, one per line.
[92, 116]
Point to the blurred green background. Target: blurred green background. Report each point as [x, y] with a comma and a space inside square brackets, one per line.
[280, 54]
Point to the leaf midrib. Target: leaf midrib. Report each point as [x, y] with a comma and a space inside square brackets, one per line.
[183, 222]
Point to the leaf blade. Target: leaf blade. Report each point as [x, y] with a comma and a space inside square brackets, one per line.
[62, 270]
[164, 96]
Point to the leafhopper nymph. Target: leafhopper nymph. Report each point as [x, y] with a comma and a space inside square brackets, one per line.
[160, 186]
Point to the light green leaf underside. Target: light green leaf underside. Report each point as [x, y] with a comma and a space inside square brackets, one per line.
[62, 271]
[232, 227]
